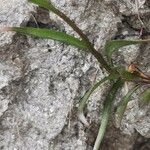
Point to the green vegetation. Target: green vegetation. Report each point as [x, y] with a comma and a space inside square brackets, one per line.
[117, 75]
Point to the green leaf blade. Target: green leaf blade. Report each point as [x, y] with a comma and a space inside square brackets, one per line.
[50, 34]
[114, 45]
[106, 112]
[86, 96]
[145, 97]
[123, 104]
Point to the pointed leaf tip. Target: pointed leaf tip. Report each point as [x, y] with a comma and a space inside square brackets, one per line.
[83, 119]
[5, 29]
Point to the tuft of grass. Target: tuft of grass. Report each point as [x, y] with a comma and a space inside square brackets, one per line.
[117, 75]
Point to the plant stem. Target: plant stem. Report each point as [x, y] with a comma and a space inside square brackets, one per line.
[96, 54]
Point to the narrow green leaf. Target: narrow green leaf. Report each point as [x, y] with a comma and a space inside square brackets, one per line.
[145, 97]
[114, 45]
[86, 96]
[50, 34]
[123, 104]
[106, 112]
[43, 3]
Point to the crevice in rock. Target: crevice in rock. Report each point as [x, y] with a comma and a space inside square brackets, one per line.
[41, 19]
[141, 143]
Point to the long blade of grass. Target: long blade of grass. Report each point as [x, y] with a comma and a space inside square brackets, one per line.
[49, 34]
[114, 45]
[86, 96]
[145, 97]
[106, 112]
[123, 104]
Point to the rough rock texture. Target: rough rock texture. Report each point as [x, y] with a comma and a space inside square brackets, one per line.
[41, 81]
[13, 13]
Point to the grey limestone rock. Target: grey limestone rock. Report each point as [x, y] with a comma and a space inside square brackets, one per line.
[41, 81]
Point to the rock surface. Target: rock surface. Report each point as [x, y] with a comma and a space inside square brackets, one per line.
[41, 81]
